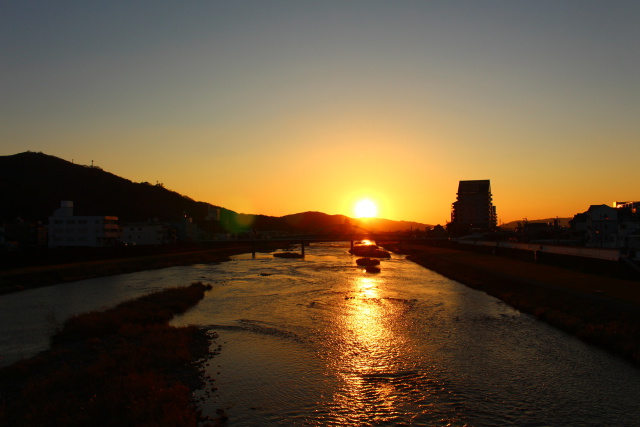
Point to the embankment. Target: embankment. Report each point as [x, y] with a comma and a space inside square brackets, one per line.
[600, 310]
[75, 267]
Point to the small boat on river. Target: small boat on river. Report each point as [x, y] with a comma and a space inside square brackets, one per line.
[370, 251]
[367, 261]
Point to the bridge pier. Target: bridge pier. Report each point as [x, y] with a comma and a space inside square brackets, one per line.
[302, 247]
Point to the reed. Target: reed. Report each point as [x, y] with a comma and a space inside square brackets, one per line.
[123, 366]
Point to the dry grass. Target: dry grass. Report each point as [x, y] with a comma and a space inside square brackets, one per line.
[125, 366]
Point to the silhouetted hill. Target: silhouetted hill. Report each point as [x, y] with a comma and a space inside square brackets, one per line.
[313, 222]
[386, 225]
[564, 222]
[32, 185]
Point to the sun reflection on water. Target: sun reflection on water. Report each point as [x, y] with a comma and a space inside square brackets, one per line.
[368, 361]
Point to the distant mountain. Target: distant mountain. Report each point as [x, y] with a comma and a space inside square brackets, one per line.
[319, 222]
[563, 222]
[32, 185]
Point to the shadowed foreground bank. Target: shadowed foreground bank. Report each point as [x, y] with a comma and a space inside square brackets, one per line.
[600, 310]
[124, 366]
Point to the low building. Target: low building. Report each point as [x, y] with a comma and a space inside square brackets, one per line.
[188, 231]
[21, 234]
[67, 229]
[609, 227]
[602, 227]
[148, 233]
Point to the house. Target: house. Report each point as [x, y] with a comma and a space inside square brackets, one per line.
[67, 229]
[602, 227]
[22, 234]
[609, 226]
[578, 227]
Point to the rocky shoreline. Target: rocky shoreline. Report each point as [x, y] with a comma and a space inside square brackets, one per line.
[593, 316]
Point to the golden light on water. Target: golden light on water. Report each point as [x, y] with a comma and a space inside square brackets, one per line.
[368, 287]
[366, 327]
[369, 349]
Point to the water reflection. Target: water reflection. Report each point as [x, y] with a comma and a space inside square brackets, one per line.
[368, 356]
[319, 342]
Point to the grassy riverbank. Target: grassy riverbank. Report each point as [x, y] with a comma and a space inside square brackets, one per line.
[71, 269]
[124, 366]
[600, 310]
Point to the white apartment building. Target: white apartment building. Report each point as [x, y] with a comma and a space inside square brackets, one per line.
[66, 229]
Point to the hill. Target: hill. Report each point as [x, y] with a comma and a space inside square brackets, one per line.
[563, 222]
[32, 185]
[318, 222]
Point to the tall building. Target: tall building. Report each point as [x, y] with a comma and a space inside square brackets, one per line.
[473, 209]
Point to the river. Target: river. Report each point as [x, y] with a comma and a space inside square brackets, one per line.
[318, 341]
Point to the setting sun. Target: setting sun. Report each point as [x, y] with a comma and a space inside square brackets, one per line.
[366, 209]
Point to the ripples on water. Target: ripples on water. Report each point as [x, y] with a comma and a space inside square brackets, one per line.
[320, 342]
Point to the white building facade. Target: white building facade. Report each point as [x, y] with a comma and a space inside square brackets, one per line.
[68, 230]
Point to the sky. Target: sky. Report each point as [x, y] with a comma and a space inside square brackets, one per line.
[279, 107]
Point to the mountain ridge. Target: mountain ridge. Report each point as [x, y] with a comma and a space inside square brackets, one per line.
[32, 185]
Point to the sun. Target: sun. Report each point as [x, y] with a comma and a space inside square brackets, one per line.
[365, 208]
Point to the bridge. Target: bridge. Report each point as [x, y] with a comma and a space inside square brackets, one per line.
[304, 239]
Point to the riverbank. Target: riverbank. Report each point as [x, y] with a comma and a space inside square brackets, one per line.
[600, 310]
[18, 279]
[121, 366]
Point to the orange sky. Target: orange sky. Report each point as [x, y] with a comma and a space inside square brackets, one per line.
[282, 107]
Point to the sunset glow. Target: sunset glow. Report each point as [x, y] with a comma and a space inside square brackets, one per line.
[366, 209]
[242, 104]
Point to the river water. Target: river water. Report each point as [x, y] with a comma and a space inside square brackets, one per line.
[318, 341]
